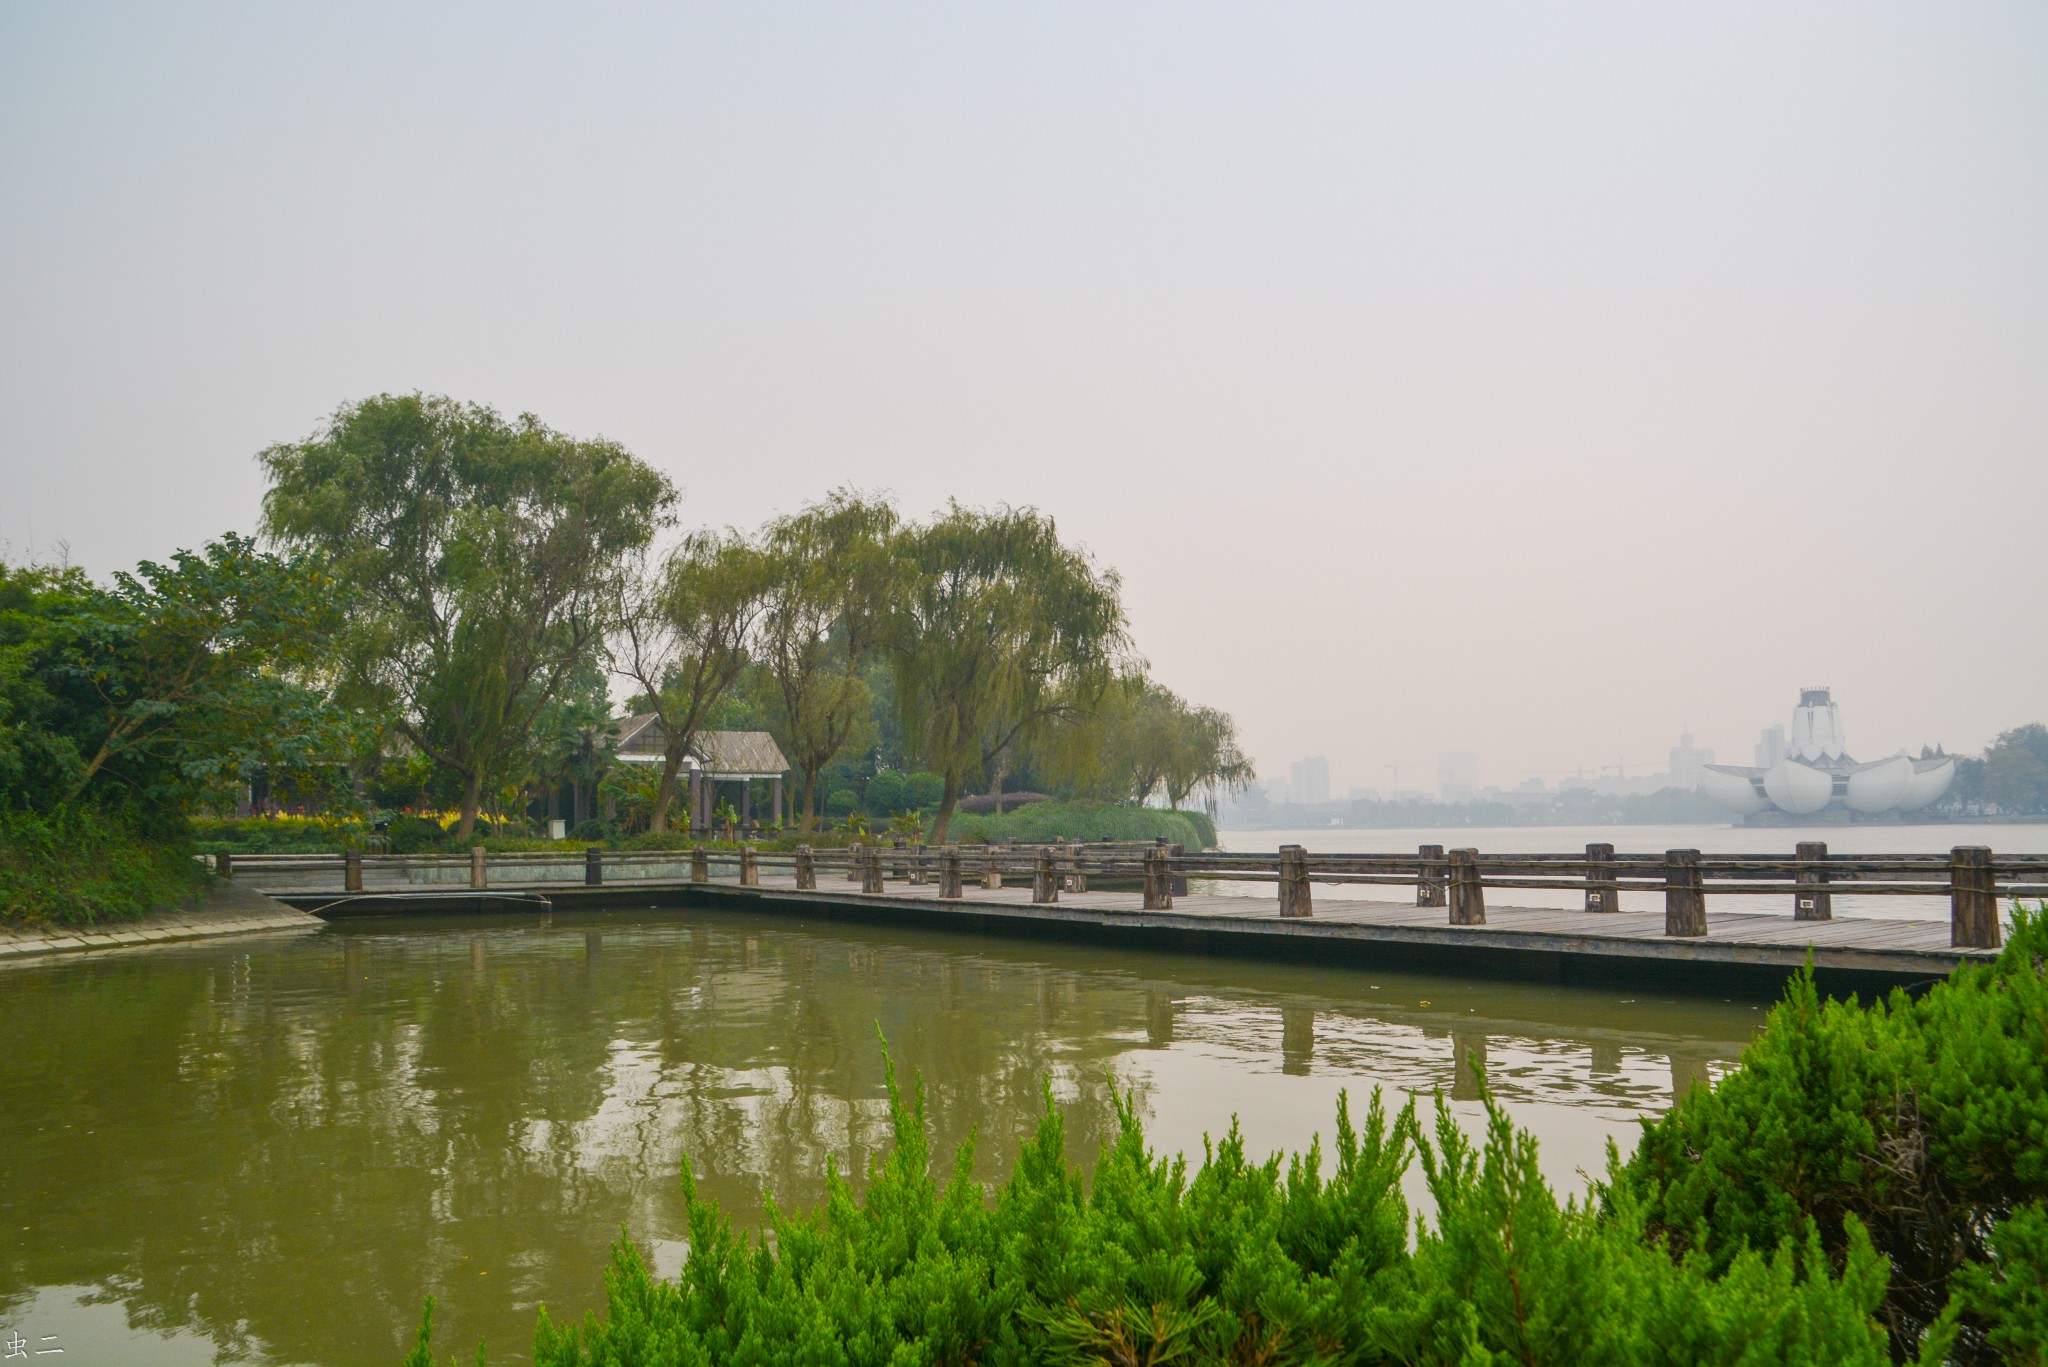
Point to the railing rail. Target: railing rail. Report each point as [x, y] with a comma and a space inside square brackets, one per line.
[1973, 878]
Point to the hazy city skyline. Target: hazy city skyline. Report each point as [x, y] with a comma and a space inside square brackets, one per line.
[1539, 384]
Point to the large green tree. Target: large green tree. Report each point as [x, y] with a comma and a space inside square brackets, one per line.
[2015, 773]
[170, 684]
[683, 640]
[480, 560]
[834, 578]
[1001, 630]
[1145, 740]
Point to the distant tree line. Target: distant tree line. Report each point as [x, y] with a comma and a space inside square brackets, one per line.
[445, 600]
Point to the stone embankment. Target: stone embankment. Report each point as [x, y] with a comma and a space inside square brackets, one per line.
[223, 909]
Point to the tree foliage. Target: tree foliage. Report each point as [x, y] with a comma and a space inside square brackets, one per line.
[1002, 630]
[684, 637]
[834, 578]
[170, 684]
[481, 559]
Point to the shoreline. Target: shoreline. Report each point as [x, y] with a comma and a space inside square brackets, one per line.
[222, 909]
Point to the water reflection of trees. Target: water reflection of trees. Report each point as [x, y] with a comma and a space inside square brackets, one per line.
[290, 1141]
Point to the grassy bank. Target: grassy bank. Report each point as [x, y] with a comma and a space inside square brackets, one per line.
[75, 866]
[1869, 1185]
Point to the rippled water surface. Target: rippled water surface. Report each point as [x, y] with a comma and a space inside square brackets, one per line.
[268, 1150]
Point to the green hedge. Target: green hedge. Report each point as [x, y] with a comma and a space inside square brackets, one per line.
[1042, 821]
[78, 866]
[1869, 1185]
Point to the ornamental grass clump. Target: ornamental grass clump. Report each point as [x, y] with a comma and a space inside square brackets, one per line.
[1866, 1187]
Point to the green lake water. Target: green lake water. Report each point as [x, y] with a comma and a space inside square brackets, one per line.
[267, 1150]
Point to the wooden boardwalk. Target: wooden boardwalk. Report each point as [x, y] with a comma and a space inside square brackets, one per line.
[1544, 942]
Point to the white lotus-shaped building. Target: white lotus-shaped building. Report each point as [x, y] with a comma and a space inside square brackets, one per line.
[1817, 772]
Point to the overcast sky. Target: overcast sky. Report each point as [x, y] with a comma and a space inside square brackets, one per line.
[1541, 381]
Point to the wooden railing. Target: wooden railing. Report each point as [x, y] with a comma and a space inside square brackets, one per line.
[1972, 878]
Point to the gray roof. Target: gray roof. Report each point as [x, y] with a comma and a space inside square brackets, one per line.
[733, 754]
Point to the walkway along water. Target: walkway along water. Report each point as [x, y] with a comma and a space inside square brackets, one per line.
[1138, 895]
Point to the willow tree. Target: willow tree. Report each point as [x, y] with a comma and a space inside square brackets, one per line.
[1001, 630]
[834, 577]
[1144, 739]
[684, 640]
[479, 560]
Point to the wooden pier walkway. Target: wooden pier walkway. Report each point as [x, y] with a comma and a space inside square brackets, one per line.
[1447, 923]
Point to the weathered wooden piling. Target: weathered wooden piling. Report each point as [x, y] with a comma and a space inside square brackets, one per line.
[1467, 897]
[1296, 899]
[352, 871]
[918, 875]
[1813, 902]
[750, 867]
[476, 867]
[1429, 876]
[224, 864]
[991, 871]
[949, 872]
[700, 866]
[806, 869]
[1158, 879]
[593, 867]
[870, 869]
[1973, 898]
[1045, 877]
[855, 867]
[1685, 897]
[1603, 893]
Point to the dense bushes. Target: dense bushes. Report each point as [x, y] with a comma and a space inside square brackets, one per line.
[1923, 1121]
[1041, 821]
[78, 866]
[1869, 1185]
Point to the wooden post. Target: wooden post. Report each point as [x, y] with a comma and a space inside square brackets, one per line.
[224, 864]
[1602, 892]
[352, 871]
[1045, 881]
[1158, 879]
[1685, 898]
[855, 869]
[918, 876]
[1467, 894]
[593, 867]
[1972, 898]
[870, 868]
[1077, 877]
[806, 869]
[700, 866]
[476, 866]
[1813, 902]
[1295, 898]
[949, 871]
[1429, 881]
[750, 868]
[991, 871]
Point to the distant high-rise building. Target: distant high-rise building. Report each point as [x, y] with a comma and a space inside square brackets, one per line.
[1771, 748]
[1364, 795]
[1457, 775]
[1687, 761]
[1308, 780]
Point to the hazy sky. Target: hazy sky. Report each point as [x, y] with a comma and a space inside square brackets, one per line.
[1537, 381]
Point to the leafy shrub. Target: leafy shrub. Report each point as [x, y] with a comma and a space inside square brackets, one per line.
[594, 830]
[884, 793]
[840, 802]
[277, 834]
[1042, 821]
[923, 792]
[79, 866]
[414, 834]
[1921, 1121]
